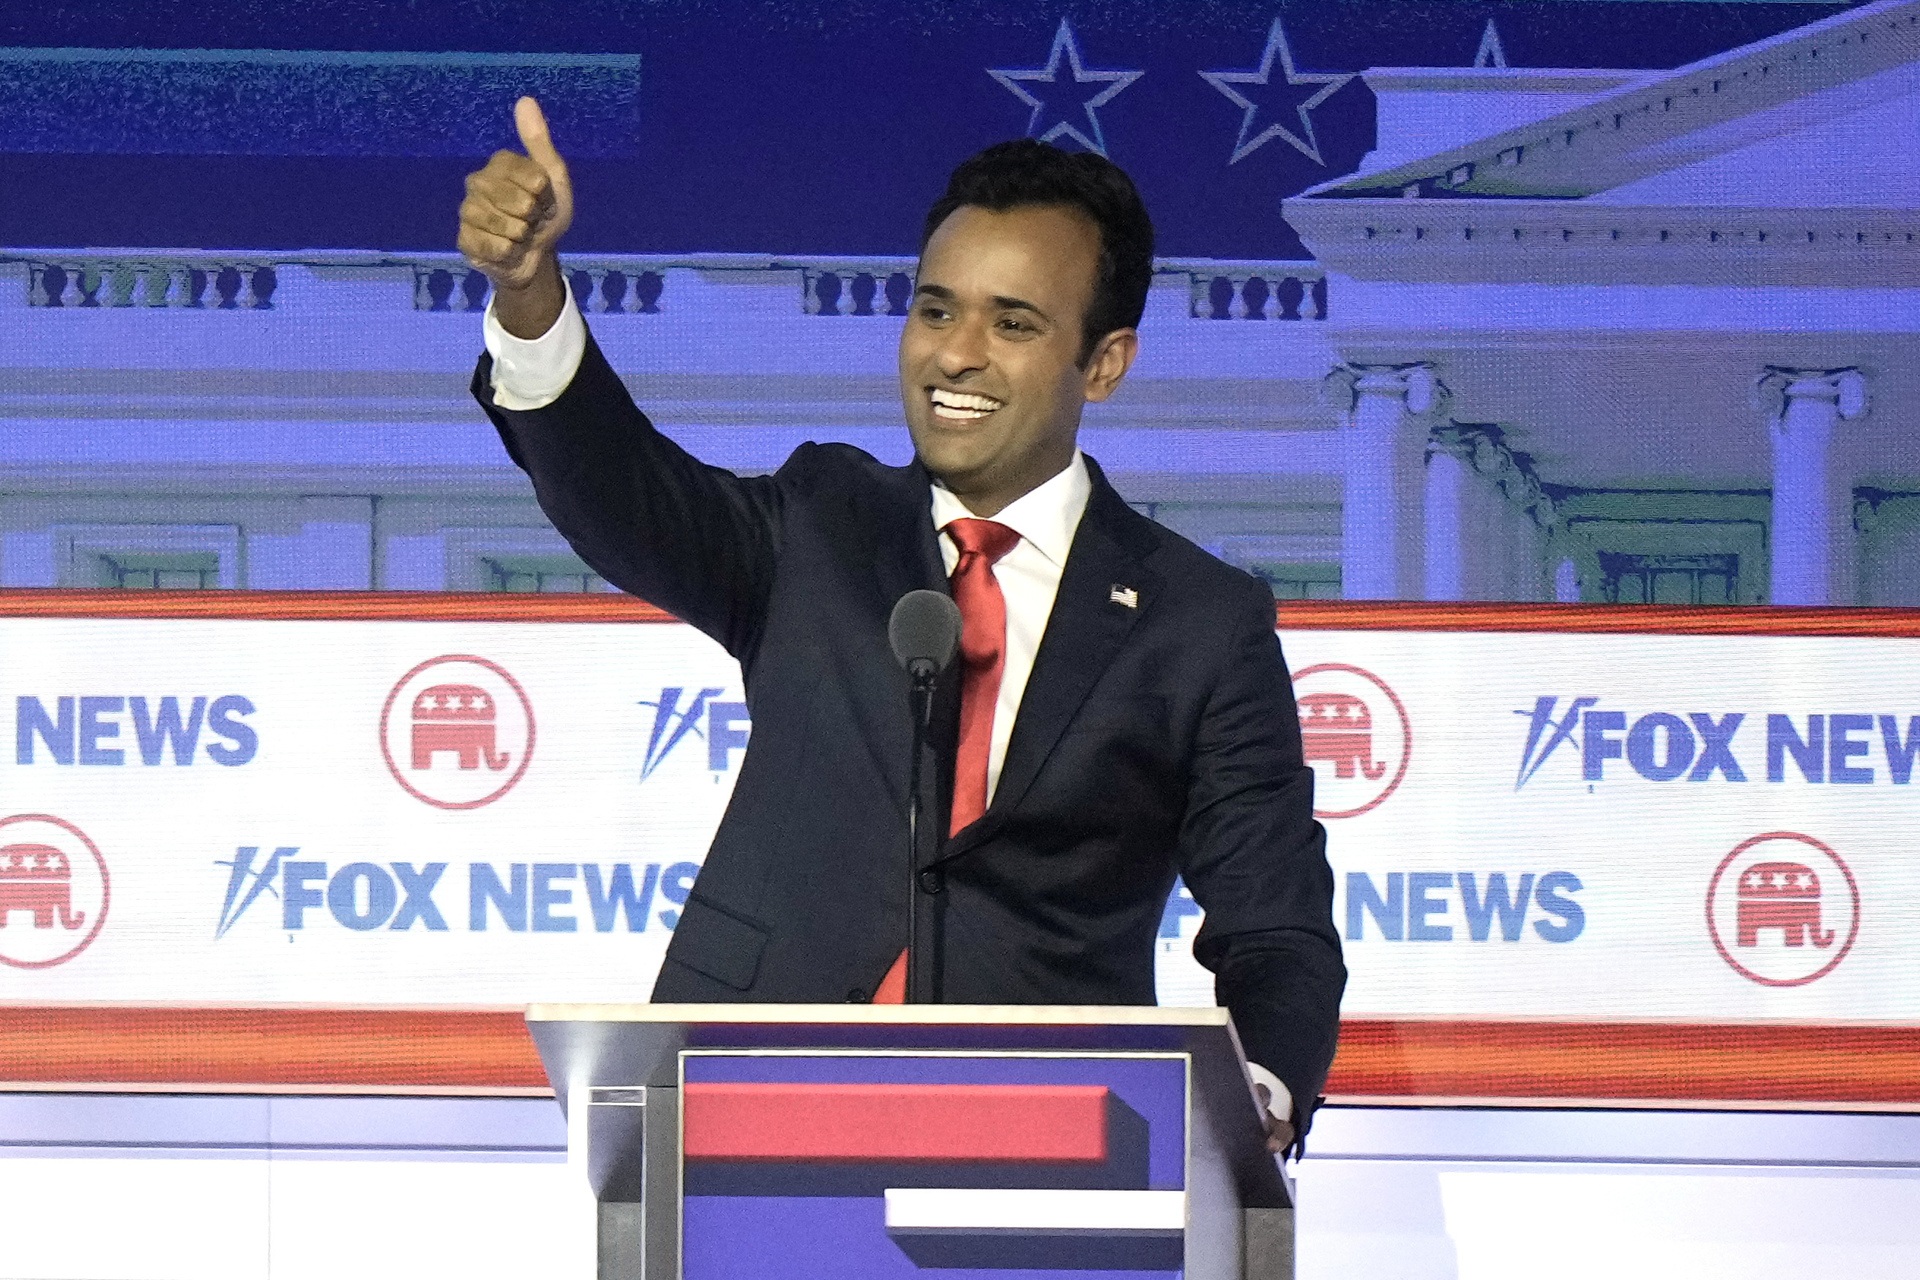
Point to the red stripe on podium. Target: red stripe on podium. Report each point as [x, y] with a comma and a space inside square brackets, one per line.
[936, 1122]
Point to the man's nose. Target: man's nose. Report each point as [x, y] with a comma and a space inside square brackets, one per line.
[962, 350]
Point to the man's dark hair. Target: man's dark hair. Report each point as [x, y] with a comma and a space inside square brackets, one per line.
[1014, 175]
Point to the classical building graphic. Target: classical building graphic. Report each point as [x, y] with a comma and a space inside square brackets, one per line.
[1678, 310]
[1565, 335]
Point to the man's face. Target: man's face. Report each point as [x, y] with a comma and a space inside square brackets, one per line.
[988, 358]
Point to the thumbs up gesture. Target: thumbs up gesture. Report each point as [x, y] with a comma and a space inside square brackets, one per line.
[516, 210]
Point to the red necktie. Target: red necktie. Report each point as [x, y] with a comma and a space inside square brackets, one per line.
[983, 656]
[983, 644]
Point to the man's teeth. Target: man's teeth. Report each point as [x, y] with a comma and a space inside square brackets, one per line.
[962, 407]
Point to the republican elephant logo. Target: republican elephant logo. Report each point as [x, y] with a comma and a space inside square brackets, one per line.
[1783, 896]
[1337, 729]
[37, 879]
[458, 718]
[54, 891]
[1355, 731]
[457, 731]
[1783, 909]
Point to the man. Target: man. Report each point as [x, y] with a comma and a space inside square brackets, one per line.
[1121, 712]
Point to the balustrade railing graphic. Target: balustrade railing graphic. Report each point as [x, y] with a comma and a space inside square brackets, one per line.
[602, 284]
[1258, 291]
[200, 282]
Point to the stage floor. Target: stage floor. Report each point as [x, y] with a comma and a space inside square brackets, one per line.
[232, 1187]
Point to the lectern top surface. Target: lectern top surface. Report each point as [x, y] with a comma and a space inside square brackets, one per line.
[1035, 1015]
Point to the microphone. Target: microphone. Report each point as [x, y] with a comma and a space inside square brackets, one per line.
[924, 632]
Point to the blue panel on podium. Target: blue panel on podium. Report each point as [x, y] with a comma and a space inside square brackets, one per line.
[863, 1165]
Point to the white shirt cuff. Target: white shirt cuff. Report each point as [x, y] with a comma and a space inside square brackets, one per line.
[530, 373]
[1281, 1105]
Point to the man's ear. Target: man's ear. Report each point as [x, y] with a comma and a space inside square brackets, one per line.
[1112, 356]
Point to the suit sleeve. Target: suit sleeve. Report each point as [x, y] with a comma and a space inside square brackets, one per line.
[645, 514]
[1256, 862]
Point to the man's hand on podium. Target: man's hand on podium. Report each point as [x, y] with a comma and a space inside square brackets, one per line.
[516, 210]
[1279, 1132]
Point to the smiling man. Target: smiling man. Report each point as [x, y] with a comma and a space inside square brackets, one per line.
[994, 382]
[1120, 713]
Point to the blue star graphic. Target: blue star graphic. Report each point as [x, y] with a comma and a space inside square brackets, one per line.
[1061, 107]
[1300, 90]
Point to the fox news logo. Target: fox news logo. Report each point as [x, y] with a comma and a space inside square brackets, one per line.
[519, 897]
[115, 730]
[1466, 906]
[1844, 748]
[680, 715]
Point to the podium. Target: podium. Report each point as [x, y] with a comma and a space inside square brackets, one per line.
[875, 1142]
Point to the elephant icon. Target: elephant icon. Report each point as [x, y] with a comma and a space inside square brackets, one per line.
[457, 718]
[1783, 896]
[1338, 729]
[38, 878]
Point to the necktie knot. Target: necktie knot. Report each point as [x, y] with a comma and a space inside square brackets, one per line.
[983, 613]
[983, 537]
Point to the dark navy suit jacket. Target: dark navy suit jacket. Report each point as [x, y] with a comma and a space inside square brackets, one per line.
[1155, 737]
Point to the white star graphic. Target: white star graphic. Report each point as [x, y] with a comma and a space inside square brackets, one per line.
[1066, 48]
[1491, 52]
[1304, 142]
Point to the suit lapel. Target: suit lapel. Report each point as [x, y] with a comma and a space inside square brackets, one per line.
[906, 550]
[905, 553]
[1084, 632]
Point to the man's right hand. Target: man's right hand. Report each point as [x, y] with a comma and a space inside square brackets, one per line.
[516, 210]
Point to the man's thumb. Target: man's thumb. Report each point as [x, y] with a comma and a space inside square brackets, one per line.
[532, 126]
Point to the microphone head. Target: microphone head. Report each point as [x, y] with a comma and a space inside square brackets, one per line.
[924, 631]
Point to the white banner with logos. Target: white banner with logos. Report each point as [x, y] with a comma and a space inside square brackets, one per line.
[377, 812]
[1576, 826]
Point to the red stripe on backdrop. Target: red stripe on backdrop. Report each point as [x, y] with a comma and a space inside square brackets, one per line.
[1592, 619]
[330, 606]
[1657, 1062]
[268, 1049]
[1303, 615]
[740, 1121]
[280, 1049]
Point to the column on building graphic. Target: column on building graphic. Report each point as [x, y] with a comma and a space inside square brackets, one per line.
[1388, 410]
[1487, 518]
[1815, 548]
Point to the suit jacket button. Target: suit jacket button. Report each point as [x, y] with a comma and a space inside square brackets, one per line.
[857, 996]
[931, 881]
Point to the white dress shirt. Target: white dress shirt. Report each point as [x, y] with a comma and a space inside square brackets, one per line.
[530, 373]
[1045, 517]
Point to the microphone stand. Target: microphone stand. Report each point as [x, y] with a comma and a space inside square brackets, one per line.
[923, 674]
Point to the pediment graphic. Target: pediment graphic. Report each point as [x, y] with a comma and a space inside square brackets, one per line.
[1829, 79]
[1788, 161]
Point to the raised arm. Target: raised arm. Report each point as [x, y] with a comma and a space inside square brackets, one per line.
[650, 518]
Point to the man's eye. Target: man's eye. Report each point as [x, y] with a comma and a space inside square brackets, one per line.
[1016, 325]
[932, 313]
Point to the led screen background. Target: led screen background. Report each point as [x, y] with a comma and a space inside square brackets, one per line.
[1577, 302]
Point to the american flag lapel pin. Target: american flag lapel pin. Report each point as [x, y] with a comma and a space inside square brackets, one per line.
[1124, 595]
